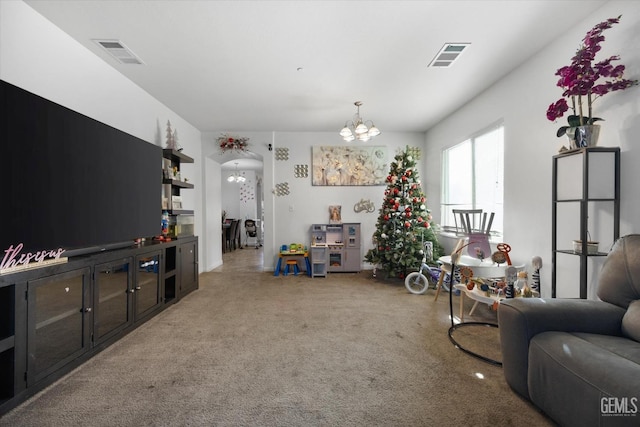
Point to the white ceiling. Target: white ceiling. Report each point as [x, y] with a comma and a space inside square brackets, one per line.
[300, 65]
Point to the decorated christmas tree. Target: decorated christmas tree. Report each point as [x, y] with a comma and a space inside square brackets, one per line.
[405, 222]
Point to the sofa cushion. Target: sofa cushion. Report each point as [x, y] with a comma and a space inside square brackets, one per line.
[619, 281]
[618, 346]
[570, 373]
[631, 321]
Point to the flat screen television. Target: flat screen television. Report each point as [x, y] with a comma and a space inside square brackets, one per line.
[72, 182]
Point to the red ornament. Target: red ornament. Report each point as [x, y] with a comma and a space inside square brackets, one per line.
[407, 224]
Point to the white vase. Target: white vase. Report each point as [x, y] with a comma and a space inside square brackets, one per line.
[583, 136]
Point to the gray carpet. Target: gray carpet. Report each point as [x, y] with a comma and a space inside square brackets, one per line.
[250, 349]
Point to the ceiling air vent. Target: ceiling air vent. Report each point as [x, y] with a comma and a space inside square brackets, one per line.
[448, 54]
[119, 51]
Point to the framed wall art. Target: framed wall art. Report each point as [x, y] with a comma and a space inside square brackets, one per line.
[335, 214]
[341, 165]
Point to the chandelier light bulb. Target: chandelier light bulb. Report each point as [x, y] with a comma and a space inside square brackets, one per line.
[361, 128]
[345, 132]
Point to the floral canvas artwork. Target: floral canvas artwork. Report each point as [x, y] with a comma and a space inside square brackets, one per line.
[335, 166]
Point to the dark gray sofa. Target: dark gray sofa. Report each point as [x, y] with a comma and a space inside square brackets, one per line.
[579, 360]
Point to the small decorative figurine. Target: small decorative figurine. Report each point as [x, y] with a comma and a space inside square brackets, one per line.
[171, 144]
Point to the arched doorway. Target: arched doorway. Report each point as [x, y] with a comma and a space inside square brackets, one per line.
[242, 195]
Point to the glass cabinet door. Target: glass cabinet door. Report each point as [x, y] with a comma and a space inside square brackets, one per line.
[147, 284]
[59, 314]
[113, 310]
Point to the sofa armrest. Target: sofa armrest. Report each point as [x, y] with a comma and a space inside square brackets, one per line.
[520, 319]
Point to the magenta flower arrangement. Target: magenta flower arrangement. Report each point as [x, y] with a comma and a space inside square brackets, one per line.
[227, 143]
[585, 80]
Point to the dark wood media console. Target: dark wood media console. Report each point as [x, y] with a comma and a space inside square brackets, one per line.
[54, 318]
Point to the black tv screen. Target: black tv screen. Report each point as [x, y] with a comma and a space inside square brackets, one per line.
[72, 182]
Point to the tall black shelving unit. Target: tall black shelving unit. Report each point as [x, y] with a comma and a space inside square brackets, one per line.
[584, 178]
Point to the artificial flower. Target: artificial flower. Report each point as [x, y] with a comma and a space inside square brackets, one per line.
[584, 80]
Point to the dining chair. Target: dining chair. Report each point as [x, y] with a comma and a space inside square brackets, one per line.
[468, 221]
[231, 233]
[476, 227]
[236, 237]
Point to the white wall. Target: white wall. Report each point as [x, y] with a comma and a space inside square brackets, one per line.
[39, 57]
[521, 100]
[211, 254]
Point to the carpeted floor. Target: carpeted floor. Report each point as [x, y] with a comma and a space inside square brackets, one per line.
[251, 349]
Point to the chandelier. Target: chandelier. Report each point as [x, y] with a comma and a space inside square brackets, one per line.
[358, 129]
[236, 177]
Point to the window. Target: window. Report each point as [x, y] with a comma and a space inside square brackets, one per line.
[472, 177]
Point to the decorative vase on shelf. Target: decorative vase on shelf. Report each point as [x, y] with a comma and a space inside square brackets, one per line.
[583, 136]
